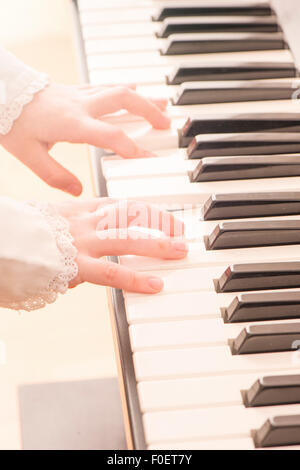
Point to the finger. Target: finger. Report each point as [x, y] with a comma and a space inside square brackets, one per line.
[43, 165]
[106, 273]
[107, 136]
[93, 89]
[73, 208]
[124, 214]
[118, 242]
[162, 103]
[115, 99]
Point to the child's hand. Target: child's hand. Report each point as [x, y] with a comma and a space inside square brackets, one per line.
[102, 227]
[62, 113]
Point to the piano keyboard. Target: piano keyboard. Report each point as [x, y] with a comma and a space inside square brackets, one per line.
[211, 362]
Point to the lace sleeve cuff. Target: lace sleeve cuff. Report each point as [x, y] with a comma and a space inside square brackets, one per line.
[34, 279]
[59, 227]
[18, 85]
[11, 111]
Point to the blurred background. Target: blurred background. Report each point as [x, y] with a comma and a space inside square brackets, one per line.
[56, 358]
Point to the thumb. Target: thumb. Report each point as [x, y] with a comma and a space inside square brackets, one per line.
[43, 165]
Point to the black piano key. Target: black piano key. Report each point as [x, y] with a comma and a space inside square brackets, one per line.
[237, 123]
[260, 276]
[241, 205]
[231, 71]
[278, 431]
[206, 43]
[266, 306]
[232, 91]
[255, 339]
[229, 8]
[234, 168]
[273, 390]
[267, 24]
[257, 233]
[254, 143]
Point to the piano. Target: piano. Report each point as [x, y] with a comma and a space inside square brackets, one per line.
[213, 361]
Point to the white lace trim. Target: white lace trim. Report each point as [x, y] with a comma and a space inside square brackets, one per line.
[59, 227]
[11, 112]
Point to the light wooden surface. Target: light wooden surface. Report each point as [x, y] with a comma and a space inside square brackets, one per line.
[71, 339]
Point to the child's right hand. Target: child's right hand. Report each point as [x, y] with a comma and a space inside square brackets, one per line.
[101, 228]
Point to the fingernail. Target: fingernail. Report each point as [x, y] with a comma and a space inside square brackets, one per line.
[155, 283]
[180, 246]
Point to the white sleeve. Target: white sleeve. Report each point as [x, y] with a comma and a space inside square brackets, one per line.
[18, 84]
[37, 257]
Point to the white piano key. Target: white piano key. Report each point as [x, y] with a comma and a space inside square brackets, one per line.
[199, 256]
[149, 59]
[124, 76]
[159, 395]
[179, 189]
[123, 44]
[163, 90]
[207, 361]
[188, 333]
[184, 333]
[116, 15]
[153, 59]
[111, 30]
[113, 166]
[180, 305]
[159, 91]
[231, 421]
[175, 306]
[124, 169]
[160, 153]
[195, 392]
[85, 5]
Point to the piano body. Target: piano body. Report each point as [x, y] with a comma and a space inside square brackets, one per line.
[212, 362]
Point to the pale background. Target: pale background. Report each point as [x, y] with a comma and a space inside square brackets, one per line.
[71, 339]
